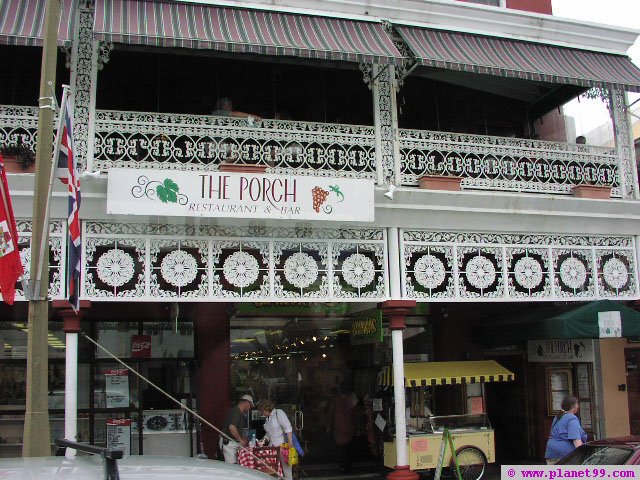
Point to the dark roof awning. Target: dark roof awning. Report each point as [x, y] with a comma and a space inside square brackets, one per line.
[519, 59]
[21, 21]
[580, 322]
[167, 24]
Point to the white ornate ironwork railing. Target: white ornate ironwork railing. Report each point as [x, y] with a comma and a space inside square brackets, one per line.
[18, 124]
[200, 263]
[199, 142]
[501, 163]
[459, 266]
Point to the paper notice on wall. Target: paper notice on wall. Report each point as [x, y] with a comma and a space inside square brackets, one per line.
[419, 444]
[119, 434]
[609, 324]
[475, 405]
[585, 415]
[380, 422]
[116, 388]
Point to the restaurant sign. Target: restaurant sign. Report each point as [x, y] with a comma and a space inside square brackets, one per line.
[560, 350]
[366, 327]
[238, 195]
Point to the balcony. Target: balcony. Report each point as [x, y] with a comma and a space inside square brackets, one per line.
[505, 163]
[201, 142]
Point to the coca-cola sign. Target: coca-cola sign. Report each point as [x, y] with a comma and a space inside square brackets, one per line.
[141, 346]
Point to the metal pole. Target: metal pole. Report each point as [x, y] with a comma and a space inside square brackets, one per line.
[36, 438]
[399, 397]
[71, 391]
[397, 348]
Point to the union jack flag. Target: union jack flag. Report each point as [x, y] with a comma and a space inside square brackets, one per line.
[68, 173]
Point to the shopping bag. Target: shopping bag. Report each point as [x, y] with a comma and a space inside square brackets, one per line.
[296, 445]
[293, 456]
[284, 453]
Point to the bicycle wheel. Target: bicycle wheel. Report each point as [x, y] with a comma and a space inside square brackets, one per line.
[472, 463]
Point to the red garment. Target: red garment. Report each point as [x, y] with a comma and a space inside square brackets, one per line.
[342, 418]
[10, 264]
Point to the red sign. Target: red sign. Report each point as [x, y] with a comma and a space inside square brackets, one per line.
[123, 422]
[141, 346]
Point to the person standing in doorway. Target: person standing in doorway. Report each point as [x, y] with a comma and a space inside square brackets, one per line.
[278, 430]
[566, 432]
[233, 426]
[341, 420]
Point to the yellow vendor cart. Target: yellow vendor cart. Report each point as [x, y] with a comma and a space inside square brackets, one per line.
[473, 437]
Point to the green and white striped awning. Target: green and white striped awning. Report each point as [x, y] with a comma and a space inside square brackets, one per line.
[168, 24]
[519, 59]
[21, 21]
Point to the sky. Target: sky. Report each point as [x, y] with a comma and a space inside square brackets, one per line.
[590, 114]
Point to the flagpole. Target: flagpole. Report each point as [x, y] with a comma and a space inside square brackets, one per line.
[54, 165]
[37, 437]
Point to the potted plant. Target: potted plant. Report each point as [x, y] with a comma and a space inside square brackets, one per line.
[18, 158]
[584, 190]
[440, 182]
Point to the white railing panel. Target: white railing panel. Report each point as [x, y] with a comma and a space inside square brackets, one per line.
[502, 163]
[200, 142]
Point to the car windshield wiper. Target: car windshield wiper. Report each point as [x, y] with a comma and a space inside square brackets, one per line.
[109, 455]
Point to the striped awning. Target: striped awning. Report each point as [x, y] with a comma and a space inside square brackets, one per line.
[427, 374]
[167, 24]
[519, 59]
[22, 21]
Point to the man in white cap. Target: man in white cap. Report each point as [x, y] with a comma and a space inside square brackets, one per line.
[233, 426]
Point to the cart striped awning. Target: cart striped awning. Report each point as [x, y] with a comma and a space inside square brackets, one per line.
[519, 59]
[167, 24]
[427, 374]
[22, 21]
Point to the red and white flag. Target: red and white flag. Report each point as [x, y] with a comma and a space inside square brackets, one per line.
[10, 265]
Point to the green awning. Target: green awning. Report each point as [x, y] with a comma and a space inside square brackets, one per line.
[581, 322]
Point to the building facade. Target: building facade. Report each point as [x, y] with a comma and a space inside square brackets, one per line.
[388, 101]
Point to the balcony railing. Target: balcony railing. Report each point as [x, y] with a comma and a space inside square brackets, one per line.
[197, 142]
[18, 124]
[511, 164]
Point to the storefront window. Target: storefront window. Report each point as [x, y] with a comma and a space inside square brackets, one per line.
[301, 362]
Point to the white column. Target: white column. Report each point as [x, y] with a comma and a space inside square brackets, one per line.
[84, 74]
[396, 309]
[386, 123]
[91, 134]
[399, 396]
[71, 391]
[393, 252]
[623, 135]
